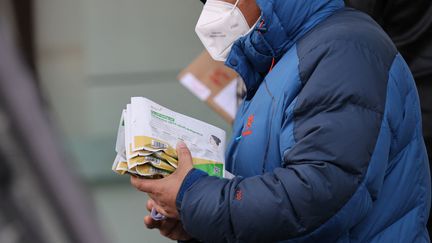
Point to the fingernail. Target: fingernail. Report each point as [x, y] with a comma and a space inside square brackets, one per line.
[181, 144]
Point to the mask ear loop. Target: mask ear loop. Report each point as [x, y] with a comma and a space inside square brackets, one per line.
[235, 5]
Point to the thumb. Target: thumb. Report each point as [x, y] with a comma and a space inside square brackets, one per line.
[184, 157]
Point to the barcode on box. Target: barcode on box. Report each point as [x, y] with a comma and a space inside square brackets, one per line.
[216, 170]
[158, 145]
[154, 160]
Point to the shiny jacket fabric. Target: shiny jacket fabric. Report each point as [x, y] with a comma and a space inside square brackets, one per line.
[327, 146]
[409, 24]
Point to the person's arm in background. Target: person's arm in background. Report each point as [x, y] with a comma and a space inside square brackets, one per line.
[335, 134]
[368, 6]
[406, 21]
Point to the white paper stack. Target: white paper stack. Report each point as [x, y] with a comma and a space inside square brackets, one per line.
[147, 136]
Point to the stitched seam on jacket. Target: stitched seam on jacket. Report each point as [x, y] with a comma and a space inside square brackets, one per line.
[354, 42]
[393, 130]
[349, 102]
[419, 203]
[282, 27]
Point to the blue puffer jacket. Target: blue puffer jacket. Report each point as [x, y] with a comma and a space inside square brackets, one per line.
[327, 146]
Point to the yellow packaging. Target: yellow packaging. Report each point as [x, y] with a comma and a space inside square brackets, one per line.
[147, 170]
[162, 155]
[155, 162]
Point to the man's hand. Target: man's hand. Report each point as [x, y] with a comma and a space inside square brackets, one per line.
[164, 191]
[170, 228]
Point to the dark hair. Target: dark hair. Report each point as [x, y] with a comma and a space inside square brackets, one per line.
[216, 139]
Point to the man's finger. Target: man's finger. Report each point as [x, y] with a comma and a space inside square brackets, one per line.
[184, 155]
[169, 229]
[150, 204]
[144, 185]
[151, 223]
[160, 210]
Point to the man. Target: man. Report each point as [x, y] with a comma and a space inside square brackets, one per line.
[327, 145]
[409, 24]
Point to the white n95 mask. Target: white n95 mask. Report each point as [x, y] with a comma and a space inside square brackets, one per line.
[219, 26]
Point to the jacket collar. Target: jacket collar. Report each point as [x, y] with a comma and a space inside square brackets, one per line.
[284, 23]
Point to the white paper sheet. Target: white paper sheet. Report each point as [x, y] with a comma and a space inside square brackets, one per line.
[195, 86]
[227, 98]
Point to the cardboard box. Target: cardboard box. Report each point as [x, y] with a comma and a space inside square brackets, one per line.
[214, 83]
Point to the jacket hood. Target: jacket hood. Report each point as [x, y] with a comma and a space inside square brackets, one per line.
[284, 22]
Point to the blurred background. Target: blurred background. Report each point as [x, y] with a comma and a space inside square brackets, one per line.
[67, 69]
